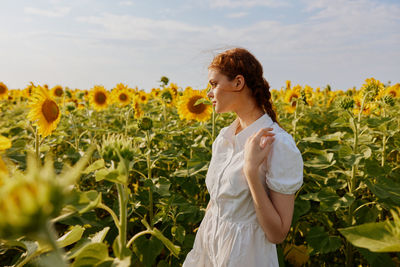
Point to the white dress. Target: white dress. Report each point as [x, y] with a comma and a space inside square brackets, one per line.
[230, 234]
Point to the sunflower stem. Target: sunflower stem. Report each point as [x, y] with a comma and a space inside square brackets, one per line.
[149, 177]
[37, 144]
[213, 125]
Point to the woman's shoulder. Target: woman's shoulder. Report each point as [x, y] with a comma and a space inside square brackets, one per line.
[283, 138]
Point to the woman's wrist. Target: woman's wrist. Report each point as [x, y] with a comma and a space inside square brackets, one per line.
[250, 170]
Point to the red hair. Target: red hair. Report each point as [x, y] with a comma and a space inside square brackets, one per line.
[239, 61]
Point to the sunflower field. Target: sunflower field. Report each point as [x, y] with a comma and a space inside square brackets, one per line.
[116, 177]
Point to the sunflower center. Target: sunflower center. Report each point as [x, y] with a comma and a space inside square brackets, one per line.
[2, 90]
[123, 97]
[100, 98]
[392, 93]
[196, 109]
[143, 98]
[50, 110]
[58, 92]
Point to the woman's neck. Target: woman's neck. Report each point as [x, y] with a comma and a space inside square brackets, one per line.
[248, 117]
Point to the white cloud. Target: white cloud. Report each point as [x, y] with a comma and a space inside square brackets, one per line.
[54, 13]
[128, 27]
[247, 3]
[125, 3]
[237, 15]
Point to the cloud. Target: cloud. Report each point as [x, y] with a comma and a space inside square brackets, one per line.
[127, 27]
[247, 3]
[237, 15]
[125, 3]
[55, 13]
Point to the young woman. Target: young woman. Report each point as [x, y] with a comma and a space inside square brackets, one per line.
[254, 172]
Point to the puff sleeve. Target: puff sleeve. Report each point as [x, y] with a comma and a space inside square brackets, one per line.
[284, 172]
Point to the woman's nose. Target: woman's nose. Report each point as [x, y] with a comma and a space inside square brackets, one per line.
[210, 94]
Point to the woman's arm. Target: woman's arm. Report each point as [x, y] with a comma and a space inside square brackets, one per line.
[274, 213]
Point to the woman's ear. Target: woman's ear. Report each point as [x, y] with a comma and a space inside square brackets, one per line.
[239, 82]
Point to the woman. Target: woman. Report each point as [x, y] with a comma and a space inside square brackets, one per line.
[254, 172]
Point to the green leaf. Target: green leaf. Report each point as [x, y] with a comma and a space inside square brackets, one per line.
[385, 189]
[147, 250]
[74, 235]
[98, 164]
[179, 233]
[321, 161]
[111, 175]
[301, 207]
[376, 259]
[91, 255]
[173, 248]
[321, 242]
[86, 201]
[80, 246]
[162, 187]
[372, 236]
[329, 199]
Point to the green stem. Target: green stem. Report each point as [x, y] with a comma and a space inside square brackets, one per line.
[122, 215]
[130, 242]
[37, 144]
[149, 177]
[213, 125]
[295, 121]
[111, 212]
[51, 237]
[384, 140]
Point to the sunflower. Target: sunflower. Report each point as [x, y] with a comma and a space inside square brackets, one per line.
[368, 107]
[393, 90]
[5, 143]
[57, 91]
[288, 85]
[122, 96]
[168, 97]
[187, 108]
[291, 97]
[44, 112]
[3, 91]
[98, 97]
[136, 107]
[156, 92]
[143, 97]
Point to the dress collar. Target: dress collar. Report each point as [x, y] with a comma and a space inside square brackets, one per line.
[239, 140]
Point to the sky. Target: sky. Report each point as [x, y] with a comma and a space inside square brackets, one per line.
[82, 43]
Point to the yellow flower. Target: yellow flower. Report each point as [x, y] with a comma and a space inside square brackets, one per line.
[143, 97]
[168, 97]
[3, 91]
[374, 88]
[367, 108]
[156, 92]
[187, 108]
[5, 143]
[291, 98]
[136, 107]
[393, 90]
[288, 84]
[44, 112]
[57, 91]
[99, 98]
[121, 95]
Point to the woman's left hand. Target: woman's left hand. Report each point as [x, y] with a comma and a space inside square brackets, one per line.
[257, 148]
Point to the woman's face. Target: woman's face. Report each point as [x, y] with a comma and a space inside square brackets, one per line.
[222, 92]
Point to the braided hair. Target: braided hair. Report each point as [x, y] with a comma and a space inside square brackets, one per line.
[239, 61]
